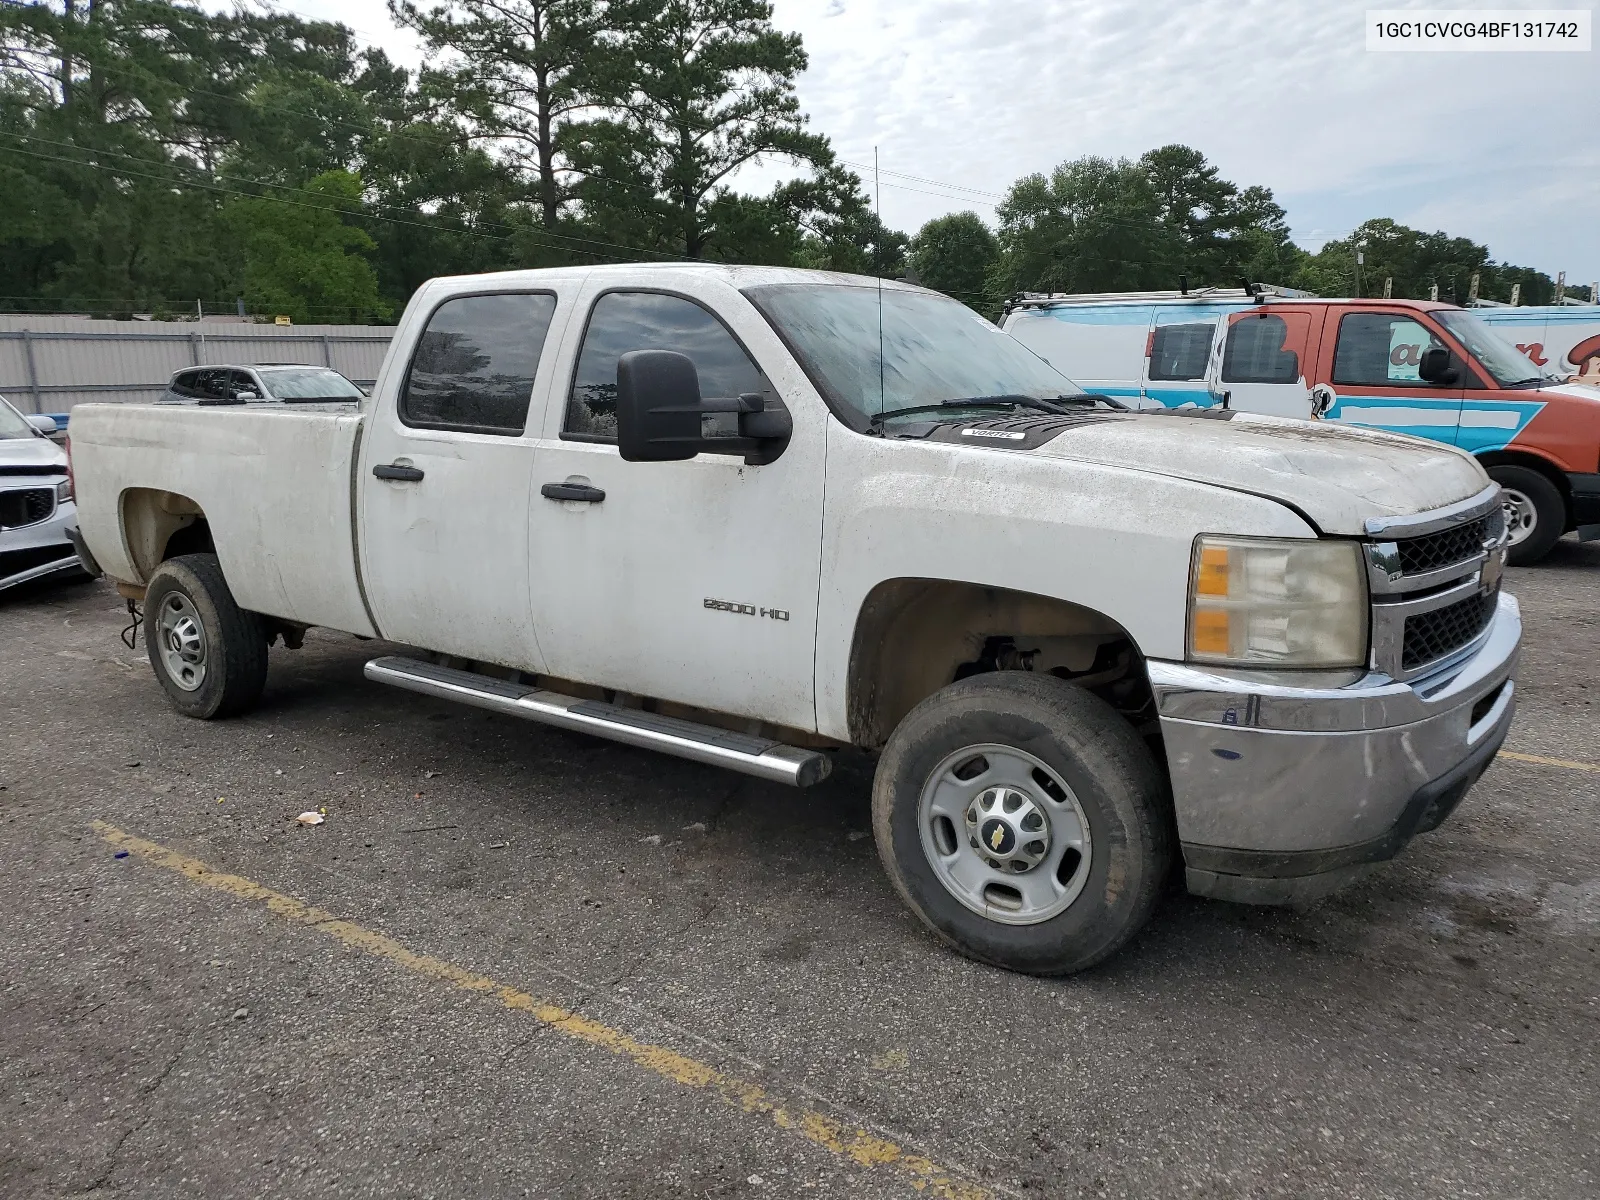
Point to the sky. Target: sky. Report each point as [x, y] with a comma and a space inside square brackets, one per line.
[962, 97]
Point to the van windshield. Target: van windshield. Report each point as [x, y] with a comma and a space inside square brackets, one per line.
[932, 349]
[1509, 366]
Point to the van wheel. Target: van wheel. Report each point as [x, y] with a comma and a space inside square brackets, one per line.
[209, 654]
[1536, 515]
[1024, 821]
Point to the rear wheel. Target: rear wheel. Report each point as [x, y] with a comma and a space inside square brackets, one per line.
[209, 654]
[1024, 821]
[1536, 515]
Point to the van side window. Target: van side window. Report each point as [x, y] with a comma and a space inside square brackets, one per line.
[1181, 351]
[1380, 350]
[624, 321]
[475, 364]
[1254, 352]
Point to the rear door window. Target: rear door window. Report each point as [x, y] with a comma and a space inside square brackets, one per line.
[185, 384]
[1180, 352]
[1258, 350]
[475, 364]
[1381, 350]
[624, 321]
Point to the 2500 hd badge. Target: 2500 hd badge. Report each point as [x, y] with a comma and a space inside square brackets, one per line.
[748, 610]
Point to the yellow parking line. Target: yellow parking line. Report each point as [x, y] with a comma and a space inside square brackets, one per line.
[1549, 762]
[859, 1146]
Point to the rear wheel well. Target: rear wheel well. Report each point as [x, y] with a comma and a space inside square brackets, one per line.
[158, 525]
[915, 636]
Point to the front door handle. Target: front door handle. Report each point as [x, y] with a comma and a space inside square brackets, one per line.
[397, 471]
[581, 492]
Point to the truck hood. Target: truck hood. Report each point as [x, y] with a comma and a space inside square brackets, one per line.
[31, 453]
[1338, 476]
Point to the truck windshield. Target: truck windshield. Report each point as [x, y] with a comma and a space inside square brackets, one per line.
[11, 423]
[1509, 366]
[309, 383]
[931, 350]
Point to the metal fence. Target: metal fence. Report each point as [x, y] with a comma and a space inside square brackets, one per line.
[50, 363]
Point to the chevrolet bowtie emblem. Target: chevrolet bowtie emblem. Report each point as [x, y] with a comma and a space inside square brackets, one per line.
[997, 837]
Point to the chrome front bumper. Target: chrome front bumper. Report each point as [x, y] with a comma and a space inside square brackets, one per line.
[1285, 793]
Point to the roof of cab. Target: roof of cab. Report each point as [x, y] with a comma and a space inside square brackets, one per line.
[736, 275]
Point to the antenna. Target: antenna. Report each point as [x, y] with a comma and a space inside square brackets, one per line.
[877, 244]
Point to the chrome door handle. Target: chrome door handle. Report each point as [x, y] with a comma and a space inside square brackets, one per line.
[397, 471]
[581, 492]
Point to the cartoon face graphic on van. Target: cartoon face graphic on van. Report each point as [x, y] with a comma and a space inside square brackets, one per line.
[1585, 359]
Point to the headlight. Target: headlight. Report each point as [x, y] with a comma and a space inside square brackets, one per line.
[63, 491]
[1277, 602]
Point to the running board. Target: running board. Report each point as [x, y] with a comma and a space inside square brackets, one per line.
[756, 756]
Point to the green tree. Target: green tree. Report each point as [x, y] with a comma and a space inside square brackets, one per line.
[1416, 261]
[302, 258]
[520, 72]
[1091, 225]
[699, 89]
[956, 254]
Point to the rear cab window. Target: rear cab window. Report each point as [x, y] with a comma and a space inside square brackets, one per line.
[474, 366]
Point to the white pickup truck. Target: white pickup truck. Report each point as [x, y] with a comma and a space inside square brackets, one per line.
[749, 515]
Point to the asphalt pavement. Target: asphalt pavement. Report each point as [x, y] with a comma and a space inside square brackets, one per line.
[517, 962]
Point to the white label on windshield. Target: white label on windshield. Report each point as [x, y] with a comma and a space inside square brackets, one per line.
[1004, 434]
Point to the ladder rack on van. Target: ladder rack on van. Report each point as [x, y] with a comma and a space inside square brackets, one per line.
[1044, 299]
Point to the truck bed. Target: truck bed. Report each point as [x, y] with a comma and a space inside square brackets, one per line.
[273, 482]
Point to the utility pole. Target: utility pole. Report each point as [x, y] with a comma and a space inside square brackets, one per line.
[1516, 294]
[1561, 288]
[1388, 288]
[1433, 292]
[1360, 259]
[1472, 290]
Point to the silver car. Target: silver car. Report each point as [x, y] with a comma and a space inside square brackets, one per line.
[36, 508]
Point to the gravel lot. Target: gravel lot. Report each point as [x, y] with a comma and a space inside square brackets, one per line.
[538, 964]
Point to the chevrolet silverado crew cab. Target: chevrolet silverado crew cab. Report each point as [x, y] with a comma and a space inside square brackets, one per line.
[751, 515]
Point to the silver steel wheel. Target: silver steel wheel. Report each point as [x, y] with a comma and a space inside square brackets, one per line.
[182, 641]
[1521, 516]
[1004, 834]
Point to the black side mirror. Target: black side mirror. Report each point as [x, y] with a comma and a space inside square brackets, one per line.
[1436, 366]
[658, 406]
[661, 416]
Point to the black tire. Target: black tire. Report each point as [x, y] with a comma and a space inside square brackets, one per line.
[233, 649]
[1110, 772]
[1549, 512]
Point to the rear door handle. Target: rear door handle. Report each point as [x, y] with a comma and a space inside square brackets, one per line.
[397, 471]
[581, 492]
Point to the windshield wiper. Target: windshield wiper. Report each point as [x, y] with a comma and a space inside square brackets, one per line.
[1054, 405]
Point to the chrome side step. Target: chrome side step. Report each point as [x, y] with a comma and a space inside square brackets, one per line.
[756, 756]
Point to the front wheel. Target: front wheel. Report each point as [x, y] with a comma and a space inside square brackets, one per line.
[1024, 821]
[1536, 515]
[209, 654]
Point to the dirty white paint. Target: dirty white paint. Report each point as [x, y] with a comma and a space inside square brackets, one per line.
[473, 561]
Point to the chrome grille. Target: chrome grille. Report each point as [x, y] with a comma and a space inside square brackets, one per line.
[1431, 636]
[1435, 581]
[1433, 551]
[26, 506]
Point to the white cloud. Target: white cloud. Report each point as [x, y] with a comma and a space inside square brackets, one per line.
[1276, 92]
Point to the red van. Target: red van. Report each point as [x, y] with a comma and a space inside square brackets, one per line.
[1407, 366]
